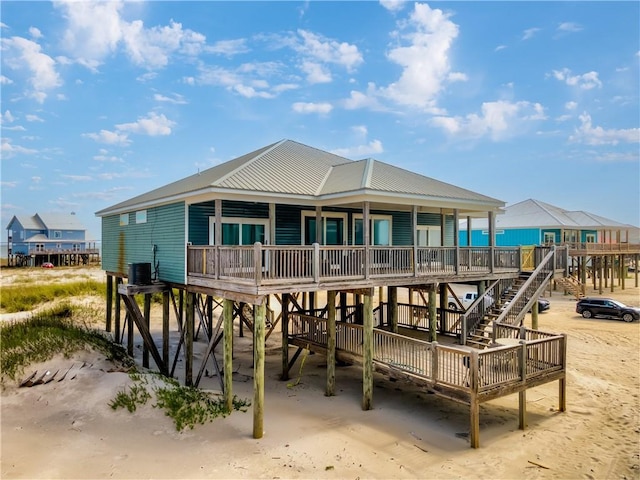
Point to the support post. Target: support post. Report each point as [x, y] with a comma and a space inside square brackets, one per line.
[258, 369]
[534, 316]
[367, 352]
[433, 315]
[165, 328]
[109, 302]
[285, 336]
[474, 404]
[522, 395]
[227, 315]
[393, 309]
[188, 339]
[331, 343]
[147, 321]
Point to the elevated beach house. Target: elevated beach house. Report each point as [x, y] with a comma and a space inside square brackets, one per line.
[59, 238]
[289, 221]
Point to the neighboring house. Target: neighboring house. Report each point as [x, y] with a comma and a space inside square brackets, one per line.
[45, 233]
[532, 222]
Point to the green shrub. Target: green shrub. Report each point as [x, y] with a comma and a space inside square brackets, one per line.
[21, 299]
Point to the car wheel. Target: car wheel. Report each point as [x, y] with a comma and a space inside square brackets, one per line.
[453, 306]
[627, 317]
[586, 313]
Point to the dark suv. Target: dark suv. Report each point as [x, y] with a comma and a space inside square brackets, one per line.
[608, 308]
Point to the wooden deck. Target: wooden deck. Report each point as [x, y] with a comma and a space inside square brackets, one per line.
[462, 374]
[266, 269]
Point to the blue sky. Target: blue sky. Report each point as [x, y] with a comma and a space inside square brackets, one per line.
[515, 100]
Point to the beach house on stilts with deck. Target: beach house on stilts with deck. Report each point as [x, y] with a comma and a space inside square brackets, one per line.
[293, 224]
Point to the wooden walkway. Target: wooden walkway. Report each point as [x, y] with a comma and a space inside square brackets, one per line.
[462, 374]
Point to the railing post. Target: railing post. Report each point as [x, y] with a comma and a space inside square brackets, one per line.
[257, 262]
[463, 339]
[316, 262]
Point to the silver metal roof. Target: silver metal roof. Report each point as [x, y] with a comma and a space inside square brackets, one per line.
[536, 214]
[293, 169]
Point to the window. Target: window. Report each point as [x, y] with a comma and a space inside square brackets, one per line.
[333, 231]
[76, 247]
[39, 247]
[141, 216]
[379, 230]
[429, 236]
[240, 231]
[57, 234]
[124, 219]
[549, 238]
[590, 237]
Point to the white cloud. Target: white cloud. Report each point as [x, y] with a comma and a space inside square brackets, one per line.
[457, 77]
[20, 53]
[569, 27]
[175, 98]
[590, 135]
[571, 105]
[5, 80]
[360, 130]
[110, 138]
[152, 125]
[97, 29]
[316, 73]
[317, 47]
[78, 178]
[104, 157]
[530, 33]
[428, 34]
[35, 32]
[499, 47]
[393, 5]
[229, 47]
[9, 150]
[358, 99]
[33, 118]
[7, 117]
[320, 108]
[498, 120]
[248, 91]
[371, 148]
[586, 81]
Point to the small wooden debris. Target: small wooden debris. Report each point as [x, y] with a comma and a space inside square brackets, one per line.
[538, 465]
[27, 382]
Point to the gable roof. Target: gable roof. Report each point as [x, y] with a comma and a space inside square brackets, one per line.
[291, 169]
[536, 214]
[49, 221]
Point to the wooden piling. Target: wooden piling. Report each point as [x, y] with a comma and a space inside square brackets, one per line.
[227, 313]
[258, 369]
[367, 352]
[331, 343]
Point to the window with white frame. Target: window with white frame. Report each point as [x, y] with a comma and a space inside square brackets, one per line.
[57, 234]
[549, 238]
[141, 216]
[380, 228]
[590, 238]
[429, 236]
[240, 231]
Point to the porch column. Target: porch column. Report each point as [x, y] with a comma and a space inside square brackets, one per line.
[367, 352]
[217, 237]
[258, 369]
[331, 343]
[456, 239]
[469, 229]
[272, 225]
[414, 229]
[284, 326]
[227, 330]
[492, 240]
[433, 315]
[393, 309]
[365, 236]
[319, 229]
[117, 314]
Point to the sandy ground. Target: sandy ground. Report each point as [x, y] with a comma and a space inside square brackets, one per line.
[67, 430]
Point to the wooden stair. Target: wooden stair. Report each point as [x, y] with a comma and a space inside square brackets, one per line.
[571, 285]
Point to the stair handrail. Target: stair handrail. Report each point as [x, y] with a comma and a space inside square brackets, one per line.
[527, 294]
[478, 309]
